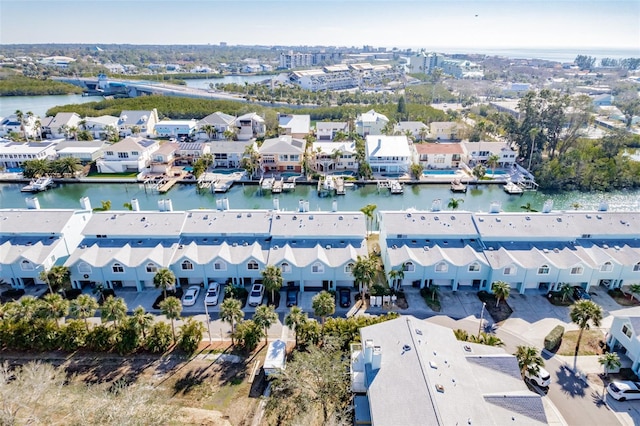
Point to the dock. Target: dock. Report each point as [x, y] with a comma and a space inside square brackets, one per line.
[266, 183]
[277, 186]
[167, 184]
[458, 186]
[396, 187]
[339, 185]
[206, 181]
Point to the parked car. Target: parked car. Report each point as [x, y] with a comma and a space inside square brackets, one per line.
[292, 297]
[256, 295]
[580, 293]
[191, 295]
[211, 298]
[344, 297]
[542, 379]
[624, 390]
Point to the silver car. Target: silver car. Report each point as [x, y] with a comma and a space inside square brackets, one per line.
[211, 298]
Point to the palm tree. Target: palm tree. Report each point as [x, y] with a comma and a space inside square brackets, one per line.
[584, 313]
[527, 208]
[492, 163]
[69, 166]
[231, 312]
[423, 133]
[135, 130]
[478, 172]
[294, 319]
[529, 360]
[20, 116]
[164, 279]
[265, 317]
[364, 272]
[272, 280]
[171, 307]
[396, 276]
[210, 130]
[113, 309]
[73, 132]
[251, 160]
[565, 290]
[501, 290]
[576, 205]
[368, 212]
[37, 127]
[142, 320]
[83, 307]
[633, 289]
[27, 307]
[105, 205]
[55, 307]
[609, 361]
[454, 203]
[323, 304]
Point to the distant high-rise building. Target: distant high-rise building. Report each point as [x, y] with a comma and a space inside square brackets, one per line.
[290, 60]
[223, 44]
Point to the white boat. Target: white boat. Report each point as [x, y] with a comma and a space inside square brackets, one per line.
[37, 185]
[513, 188]
[396, 187]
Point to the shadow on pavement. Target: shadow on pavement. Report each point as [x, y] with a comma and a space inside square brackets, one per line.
[570, 383]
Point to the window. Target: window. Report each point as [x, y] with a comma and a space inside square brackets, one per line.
[408, 267]
[509, 270]
[474, 267]
[627, 331]
[220, 266]
[636, 267]
[186, 266]
[252, 265]
[543, 270]
[109, 152]
[286, 268]
[152, 268]
[123, 155]
[25, 265]
[317, 268]
[607, 267]
[577, 270]
[442, 267]
[84, 268]
[117, 268]
[135, 153]
[349, 268]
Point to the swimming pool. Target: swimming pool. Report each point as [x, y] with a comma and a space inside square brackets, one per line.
[345, 173]
[187, 169]
[14, 170]
[228, 171]
[289, 174]
[439, 172]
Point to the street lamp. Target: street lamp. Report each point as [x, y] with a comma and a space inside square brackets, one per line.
[481, 318]
[206, 311]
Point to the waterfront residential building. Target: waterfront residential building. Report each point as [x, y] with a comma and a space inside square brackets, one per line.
[370, 123]
[176, 128]
[327, 130]
[445, 130]
[334, 156]
[131, 154]
[439, 155]
[220, 122]
[163, 159]
[138, 123]
[407, 371]
[189, 152]
[85, 151]
[424, 63]
[281, 154]
[98, 125]
[296, 126]
[228, 154]
[250, 126]
[388, 154]
[27, 127]
[479, 153]
[60, 126]
[14, 154]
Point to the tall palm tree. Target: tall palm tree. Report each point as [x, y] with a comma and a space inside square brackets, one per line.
[113, 309]
[634, 289]
[364, 272]
[565, 290]
[251, 160]
[272, 279]
[478, 172]
[368, 212]
[83, 307]
[265, 317]
[27, 308]
[69, 165]
[529, 360]
[454, 203]
[584, 313]
[294, 319]
[501, 290]
[492, 163]
[171, 307]
[21, 119]
[164, 279]
[396, 276]
[324, 304]
[609, 361]
[37, 127]
[55, 307]
[231, 312]
[142, 320]
[209, 129]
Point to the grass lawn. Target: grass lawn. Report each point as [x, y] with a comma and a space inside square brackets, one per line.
[96, 175]
[498, 313]
[432, 302]
[591, 343]
[623, 299]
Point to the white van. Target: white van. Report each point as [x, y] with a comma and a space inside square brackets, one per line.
[542, 379]
[622, 391]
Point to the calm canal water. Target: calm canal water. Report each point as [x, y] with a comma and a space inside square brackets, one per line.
[185, 196]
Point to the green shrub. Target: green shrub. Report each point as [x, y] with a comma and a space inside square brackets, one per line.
[554, 338]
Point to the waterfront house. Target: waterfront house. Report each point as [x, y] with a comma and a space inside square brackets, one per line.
[370, 123]
[228, 154]
[334, 156]
[327, 130]
[33, 241]
[220, 123]
[479, 153]
[14, 154]
[164, 158]
[408, 371]
[84, 151]
[176, 128]
[624, 335]
[388, 154]
[439, 155]
[125, 249]
[131, 154]
[281, 154]
[250, 126]
[138, 123]
[445, 130]
[61, 125]
[27, 127]
[98, 126]
[296, 126]
[417, 129]
[189, 152]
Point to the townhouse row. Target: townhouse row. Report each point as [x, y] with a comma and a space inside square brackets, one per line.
[317, 250]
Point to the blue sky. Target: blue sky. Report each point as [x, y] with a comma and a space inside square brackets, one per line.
[451, 24]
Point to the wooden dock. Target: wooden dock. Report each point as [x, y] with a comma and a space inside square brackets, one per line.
[458, 186]
[276, 187]
[167, 184]
[339, 185]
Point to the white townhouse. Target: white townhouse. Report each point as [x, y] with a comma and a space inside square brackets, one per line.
[327, 130]
[439, 155]
[479, 152]
[250, 126]
[59, 126]
[176, 128]
[14, 154]
[445, 130]
[370, 123]
[33, 241]
[98, 125]
[227, 246]
[624, 335]
[296, 126]
[417, 129]
[317, 250]
[27, 127]
[335, 156]
[439, 248]
[84, 151]
[142, 122]
[131, 154]
[228, 154]
[189, 152]
[388, 154]
[125, 249]
[220, 123]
